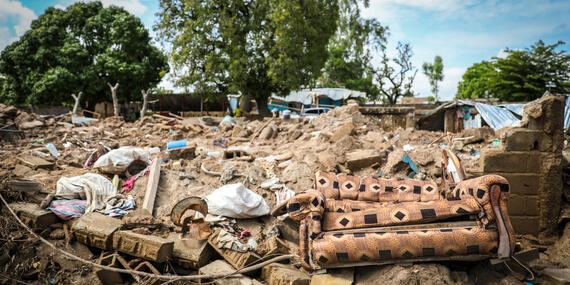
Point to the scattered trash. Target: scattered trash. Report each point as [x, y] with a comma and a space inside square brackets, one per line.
[236, 201]
[268, 183]
[194, 225]
[495, 143]
[176, 144]
[406, 159]
[221, 142]
[51, 148]
[116, 161]
[408, 148]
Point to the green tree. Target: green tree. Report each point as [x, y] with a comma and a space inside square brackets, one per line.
[81, 49]
[522, 75]
[434, 72]
[256, 47]
[396, 76]
[350, 52]
[476, 81]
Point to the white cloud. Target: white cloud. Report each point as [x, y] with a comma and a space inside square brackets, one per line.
[58, 6]
[448, 87]
[15, 19]
[133, 6]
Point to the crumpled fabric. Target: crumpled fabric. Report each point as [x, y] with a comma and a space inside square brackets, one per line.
[116, 161]
[97, 189]
[230, 241]
[69, 209]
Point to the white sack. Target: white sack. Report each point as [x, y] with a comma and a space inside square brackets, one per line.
[96, 188]
[116, 161]
[236, 201]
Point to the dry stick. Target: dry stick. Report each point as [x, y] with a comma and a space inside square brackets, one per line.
[186, 277]
[261, 129]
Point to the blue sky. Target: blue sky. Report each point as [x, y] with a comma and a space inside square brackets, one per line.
[463, 32]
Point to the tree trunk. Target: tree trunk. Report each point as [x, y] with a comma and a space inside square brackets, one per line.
[262, 106]
[116, 107]
[77, 100]
[145, 102]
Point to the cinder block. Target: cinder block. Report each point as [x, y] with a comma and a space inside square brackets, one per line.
[190, 253]
[235, 258]
[95, 229]
[521, 139]
[523, 183]
[144, 246]
[523, 205]
[511, 162]
[525, 224]
[32, 215]
[281, 274]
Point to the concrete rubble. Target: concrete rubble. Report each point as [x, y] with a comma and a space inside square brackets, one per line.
[279, 155]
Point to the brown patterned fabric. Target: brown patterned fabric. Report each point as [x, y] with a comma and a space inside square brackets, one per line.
[344, 186]
[346, 220]
[343, 214]
[353, 248]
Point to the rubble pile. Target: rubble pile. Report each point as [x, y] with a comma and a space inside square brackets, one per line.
[234, 167]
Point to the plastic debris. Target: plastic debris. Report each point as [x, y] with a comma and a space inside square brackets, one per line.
[176, 144]
[236, 201]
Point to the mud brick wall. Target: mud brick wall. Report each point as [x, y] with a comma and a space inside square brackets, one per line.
[531, 159]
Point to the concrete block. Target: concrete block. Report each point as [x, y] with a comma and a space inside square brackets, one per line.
[35, 162]
[144, 246]
[342, 132]
[235, 258]
[222, 267]
[511, 162]
[188, 152]
[522, 183]
[190, 253]
[343, 276]
[525, 224]
[327, 161]
[557, 276]
[522, 139]
[32, 215]
[363, 158]
[523, 205]
[281, 274]
[271, 246]
[96, 230]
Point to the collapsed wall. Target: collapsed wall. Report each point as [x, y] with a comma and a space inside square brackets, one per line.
[531, 159]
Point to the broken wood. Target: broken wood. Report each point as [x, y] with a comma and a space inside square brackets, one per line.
[176, 116]
[152, 186]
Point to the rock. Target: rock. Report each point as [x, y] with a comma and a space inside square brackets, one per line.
[222, 267]
[281, 274]
[364, 158]
[343, 276]
[188, 152]
[342, 132]
[21, 170]
[557, 275]
[327, 161]
[30, 125]
[266, 133]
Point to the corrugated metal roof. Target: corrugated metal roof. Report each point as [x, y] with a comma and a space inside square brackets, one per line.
[567, 113]
[305, 95]
[496, 117]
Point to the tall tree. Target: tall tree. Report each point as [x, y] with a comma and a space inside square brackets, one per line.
[476, 81]
[434, 72]
[255, 47]
[396, 76]
[350, 51]
[81, 49]
[522, 75]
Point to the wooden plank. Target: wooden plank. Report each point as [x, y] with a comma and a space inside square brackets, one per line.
[152, 186]
[163, 117]
[176, 116]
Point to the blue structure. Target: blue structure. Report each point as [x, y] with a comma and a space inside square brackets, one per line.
[311, 98]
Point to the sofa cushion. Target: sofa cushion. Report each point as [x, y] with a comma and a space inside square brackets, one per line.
[350, 214]
[381, 245]
[345, 186]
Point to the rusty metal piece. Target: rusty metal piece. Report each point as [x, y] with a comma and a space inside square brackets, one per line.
[197, 228]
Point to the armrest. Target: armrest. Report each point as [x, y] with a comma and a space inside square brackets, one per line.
[307, 206]
[492, 193]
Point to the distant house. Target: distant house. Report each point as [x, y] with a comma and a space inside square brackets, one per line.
[310, 98]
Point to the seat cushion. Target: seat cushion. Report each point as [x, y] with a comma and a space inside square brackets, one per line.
[345, 186]
[350, 214]
[378, 245]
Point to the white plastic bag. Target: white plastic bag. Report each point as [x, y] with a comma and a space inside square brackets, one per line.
[236, 201]
[116, 161]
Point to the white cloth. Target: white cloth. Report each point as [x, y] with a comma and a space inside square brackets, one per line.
[100, 193]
